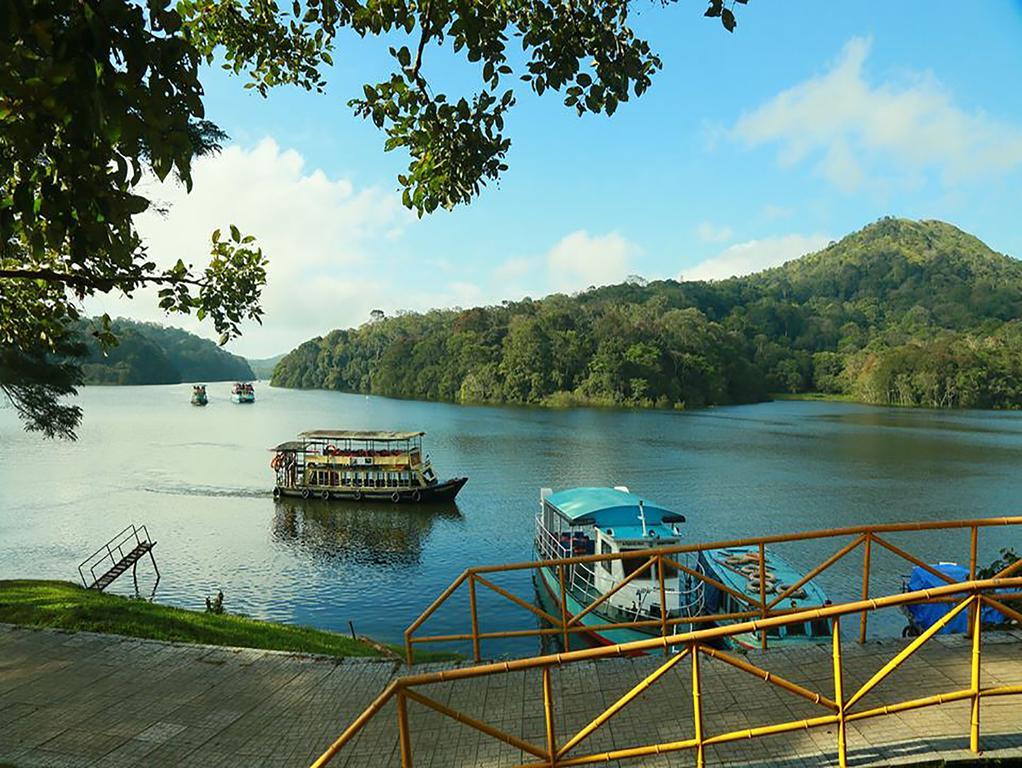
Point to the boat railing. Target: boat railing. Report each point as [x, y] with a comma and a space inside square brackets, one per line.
[757, 600]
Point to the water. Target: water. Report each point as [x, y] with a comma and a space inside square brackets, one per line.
[199, 478]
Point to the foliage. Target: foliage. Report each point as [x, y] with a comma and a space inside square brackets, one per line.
[147, 353]
[97, 96]
[1008, 557]
[901, 312]
[62, 605]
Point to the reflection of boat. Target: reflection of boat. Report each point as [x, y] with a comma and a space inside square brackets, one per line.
[242, 392]
[199, 395]
[353, 465]
[587, 521]
[361, 534]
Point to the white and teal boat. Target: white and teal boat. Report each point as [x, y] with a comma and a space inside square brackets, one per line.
[588, 521]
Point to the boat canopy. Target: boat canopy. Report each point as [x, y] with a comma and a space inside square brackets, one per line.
[290, 445]
[347, 434]
[606, 507]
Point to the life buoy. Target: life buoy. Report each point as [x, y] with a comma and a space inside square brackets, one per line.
[416, 496]
[277, 461]
[395, 497]
[276, 491]
[306, 493]
[330, 450]
[324, 495]
[357, 495]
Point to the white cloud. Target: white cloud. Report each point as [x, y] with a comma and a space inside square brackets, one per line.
[513, 269]
[753, 256]
[855, 131]
[580, 260]
[708, 232]
[323, 237]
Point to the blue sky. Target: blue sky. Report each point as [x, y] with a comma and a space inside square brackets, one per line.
[808, 122]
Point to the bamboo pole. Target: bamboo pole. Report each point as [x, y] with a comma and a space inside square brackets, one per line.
[697, 705]
[839, 695]
[663, 601]
[911, 648]
[516, 600]
[769, 677]
[548, 711]
[480, 726]
[867, 557]
[762, 591]
[565, 635]
[621, 703]
[473, 608]
[818, 570]
[402, 729]
[973, 554]
[611, 592]
[977, 636]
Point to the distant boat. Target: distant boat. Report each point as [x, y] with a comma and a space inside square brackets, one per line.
[199, 395]
[242, 392]
[358, 465]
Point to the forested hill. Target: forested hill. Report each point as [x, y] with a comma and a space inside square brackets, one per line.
[900, 312]
[154, 354]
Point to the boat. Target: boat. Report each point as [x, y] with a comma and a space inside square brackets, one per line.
[596, 520]
[199, 395]
[738, 568]
[586, 521]
[359, 466]
[242, 392]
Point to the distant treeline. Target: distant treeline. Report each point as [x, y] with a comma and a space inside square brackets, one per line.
[148, 353]
[900, 312]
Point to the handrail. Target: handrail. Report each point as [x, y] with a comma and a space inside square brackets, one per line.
[140, 533]
[970, 595]
[758, 605]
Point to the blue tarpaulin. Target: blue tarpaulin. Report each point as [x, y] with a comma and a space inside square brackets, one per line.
[925, 616]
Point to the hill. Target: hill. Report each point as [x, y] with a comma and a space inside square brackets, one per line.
[154, 354]
[263, 367]
[900, 312]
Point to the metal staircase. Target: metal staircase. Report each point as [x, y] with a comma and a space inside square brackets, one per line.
[119, 554]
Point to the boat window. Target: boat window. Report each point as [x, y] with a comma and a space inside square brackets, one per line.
[632, 564]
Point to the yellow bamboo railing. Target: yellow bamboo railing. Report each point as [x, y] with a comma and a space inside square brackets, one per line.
[840, 708]
[562, 622]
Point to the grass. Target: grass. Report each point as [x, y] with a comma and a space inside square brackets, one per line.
[824, 396]
[63, 605]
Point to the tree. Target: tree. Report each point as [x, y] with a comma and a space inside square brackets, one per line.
[98, 95]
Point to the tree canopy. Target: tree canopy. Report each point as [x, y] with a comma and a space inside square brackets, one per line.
[98, 95]
[901, 312]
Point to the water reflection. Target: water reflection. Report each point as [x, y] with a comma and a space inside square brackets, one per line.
[361, 534]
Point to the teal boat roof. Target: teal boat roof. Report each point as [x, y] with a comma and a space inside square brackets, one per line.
[634, 532]
[784, 574]
[608, 507]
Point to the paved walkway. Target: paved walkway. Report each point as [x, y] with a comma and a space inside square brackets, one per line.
[99, 700]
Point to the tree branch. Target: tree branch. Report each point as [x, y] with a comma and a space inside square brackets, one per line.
[53, 276]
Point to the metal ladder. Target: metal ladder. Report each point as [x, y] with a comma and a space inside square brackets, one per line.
[119, 554]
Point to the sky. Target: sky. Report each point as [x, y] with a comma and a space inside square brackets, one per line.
[750, 149]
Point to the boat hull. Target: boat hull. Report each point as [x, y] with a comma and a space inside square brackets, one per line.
[242, 399]
[445, 491]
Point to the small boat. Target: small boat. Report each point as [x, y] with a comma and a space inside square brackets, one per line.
[586, 521]
[242, 392]
[359, 466]
[199, 395]
[738, 568]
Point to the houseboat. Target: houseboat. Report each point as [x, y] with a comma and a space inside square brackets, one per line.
[587, 521]
[199, 395]
[357, 466]
[242, 392]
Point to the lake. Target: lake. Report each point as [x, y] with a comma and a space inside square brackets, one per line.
[199, 478]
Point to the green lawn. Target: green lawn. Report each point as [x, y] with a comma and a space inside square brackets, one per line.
[63, 605]
[813, 396]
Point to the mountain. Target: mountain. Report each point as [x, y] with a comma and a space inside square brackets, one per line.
[900, 312]
[263, 367]
[148, 353]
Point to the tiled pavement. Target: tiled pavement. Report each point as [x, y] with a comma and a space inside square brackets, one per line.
[98, 700]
